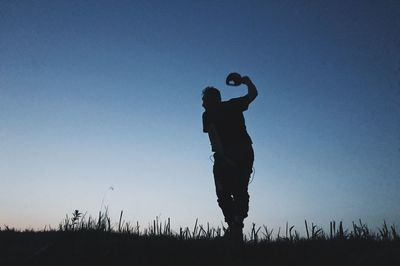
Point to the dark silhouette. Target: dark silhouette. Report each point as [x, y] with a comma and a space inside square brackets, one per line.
[233, 153]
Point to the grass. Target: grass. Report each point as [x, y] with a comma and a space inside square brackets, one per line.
[258, 234]
[85, 240]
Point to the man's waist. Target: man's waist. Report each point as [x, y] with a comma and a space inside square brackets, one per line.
[237, 140]
[237, 145]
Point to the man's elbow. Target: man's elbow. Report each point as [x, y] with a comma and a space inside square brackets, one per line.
[253, 95]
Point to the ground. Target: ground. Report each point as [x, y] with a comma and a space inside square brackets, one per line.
[110, 248]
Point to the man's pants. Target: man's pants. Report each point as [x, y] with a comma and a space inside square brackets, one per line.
[231, 182]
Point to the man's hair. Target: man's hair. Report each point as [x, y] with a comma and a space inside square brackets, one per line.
[212, 93]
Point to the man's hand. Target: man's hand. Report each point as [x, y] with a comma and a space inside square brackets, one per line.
[233, 79]
[246, 80]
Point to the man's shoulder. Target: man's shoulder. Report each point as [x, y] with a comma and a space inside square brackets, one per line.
[240, 103]
[237, 99]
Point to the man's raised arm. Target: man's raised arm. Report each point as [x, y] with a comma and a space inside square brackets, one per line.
[251, 88]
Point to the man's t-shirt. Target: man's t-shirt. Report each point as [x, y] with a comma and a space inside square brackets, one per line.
[229, 121]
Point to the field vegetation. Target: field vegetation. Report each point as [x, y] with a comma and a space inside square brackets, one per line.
[82, 240]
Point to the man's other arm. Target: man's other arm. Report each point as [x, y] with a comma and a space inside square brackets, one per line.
[216, 143]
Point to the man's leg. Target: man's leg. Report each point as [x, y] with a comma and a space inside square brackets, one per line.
[223, 190]
[240, 193]
[225, 202]
[241, 184]
[241, 199]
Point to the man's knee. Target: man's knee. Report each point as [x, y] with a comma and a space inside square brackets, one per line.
[242, 196]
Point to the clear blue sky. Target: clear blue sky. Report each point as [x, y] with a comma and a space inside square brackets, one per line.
[96, 94]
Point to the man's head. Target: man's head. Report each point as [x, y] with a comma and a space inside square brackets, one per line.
[211, 97]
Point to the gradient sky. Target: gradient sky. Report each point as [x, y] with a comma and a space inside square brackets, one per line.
[100, 94]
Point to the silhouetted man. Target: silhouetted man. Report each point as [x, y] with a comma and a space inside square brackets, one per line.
[233, 153]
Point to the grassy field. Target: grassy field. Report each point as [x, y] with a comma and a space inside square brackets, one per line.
[81, 241]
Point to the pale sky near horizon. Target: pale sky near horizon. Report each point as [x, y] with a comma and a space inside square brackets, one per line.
[100, 94]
